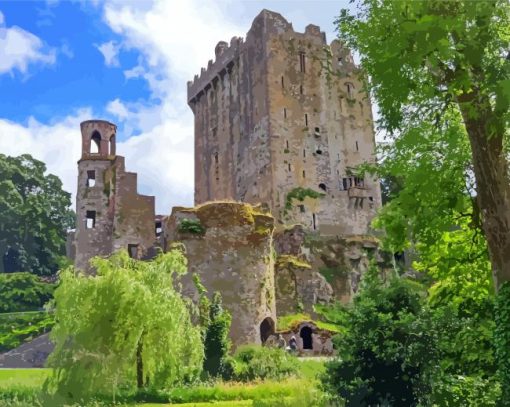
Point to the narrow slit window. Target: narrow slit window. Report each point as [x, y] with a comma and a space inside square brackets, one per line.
[90, 221]
[306, 119]
[304, 153]
[301, 89]
[289, 167]
[302, 62]
[304, 174]
[314, 221]
[284, 113]
[317, 132]
[216, 158]
[287, 144]
[357, 146]
[283, 83]
[91, 178]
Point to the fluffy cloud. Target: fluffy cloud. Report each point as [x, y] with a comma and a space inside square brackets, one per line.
[110, 51]
[19, 48]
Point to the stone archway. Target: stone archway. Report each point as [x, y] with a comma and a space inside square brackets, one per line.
[267, 328]
[306, 335]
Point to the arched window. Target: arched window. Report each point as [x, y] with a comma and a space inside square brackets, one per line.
[95, 143]
[112, 145]
[322, 186]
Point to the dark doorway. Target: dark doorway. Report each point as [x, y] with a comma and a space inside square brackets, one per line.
[306, 336]
[266, 329]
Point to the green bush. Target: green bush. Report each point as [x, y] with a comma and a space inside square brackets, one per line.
[23, 292]
[191, 226]
[17, 328]
[460, 391]
[256, 362]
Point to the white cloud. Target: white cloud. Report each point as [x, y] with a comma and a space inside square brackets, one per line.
[110, 51]
[19, 48]
[117, 108]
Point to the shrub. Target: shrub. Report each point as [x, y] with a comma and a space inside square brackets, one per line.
[256, 362]
[191, 226]
[23, 292]
[19, 327]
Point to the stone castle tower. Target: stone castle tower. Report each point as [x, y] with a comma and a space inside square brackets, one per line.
[281, 118]
[110, 214]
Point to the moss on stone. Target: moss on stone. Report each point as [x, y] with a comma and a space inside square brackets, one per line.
[288, 260]
[291, 322]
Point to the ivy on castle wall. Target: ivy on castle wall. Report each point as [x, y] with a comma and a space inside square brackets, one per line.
[300, 194]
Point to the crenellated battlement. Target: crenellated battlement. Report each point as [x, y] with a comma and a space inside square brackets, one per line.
[225, 55]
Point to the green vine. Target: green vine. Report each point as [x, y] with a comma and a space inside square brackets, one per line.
[191, 226]
[502, 340]
[300, 194]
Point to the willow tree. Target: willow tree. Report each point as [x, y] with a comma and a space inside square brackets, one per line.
[126, 327]
[427, 58]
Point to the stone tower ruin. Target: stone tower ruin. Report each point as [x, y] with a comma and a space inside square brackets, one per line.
[281, 118]
[110, 214]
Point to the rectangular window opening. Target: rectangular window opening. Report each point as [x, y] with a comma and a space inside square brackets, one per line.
[90, 222]
[133, 251]
[91, 178]
[302, 208]
[158, 228]
[304, 174]
[301, 89]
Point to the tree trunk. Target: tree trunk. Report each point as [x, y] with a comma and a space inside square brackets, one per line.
[492, 185]
[493, 195]
[139, 363]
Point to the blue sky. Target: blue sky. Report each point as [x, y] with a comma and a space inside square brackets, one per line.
[62, 62]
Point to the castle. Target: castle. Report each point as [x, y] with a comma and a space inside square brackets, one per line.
[282, 218]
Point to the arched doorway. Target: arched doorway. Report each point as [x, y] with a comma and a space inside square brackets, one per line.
[266, 329]
[306, 336]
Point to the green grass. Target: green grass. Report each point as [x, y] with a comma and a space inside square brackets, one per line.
[32, 378]
[26, 383]
[288, 322]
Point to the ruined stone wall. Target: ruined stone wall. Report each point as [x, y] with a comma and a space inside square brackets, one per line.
[110, 214]
[229, 246]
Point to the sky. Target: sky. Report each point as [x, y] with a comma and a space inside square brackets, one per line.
[128, 62]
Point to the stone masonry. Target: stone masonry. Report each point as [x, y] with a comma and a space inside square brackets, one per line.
[280, 111]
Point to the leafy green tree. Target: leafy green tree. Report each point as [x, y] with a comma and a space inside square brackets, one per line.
[215, 322]
[217, 342]
[429, 60]
[125, 328]
[23, 292]
[387, 346]
[34, 216]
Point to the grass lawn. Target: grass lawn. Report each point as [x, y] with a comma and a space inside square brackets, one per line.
[226, 394]
[22, 378]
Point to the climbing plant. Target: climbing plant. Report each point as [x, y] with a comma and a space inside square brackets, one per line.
[300, 194]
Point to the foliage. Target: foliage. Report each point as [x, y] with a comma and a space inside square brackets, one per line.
[300, 194]
[191, 226]
[125, 327]
[261, 363]
[502, 340]
[216, 341]
[23, 292]
[289, 322]
[34, 216]
[386, 348]
[461, 391]
[17, 328]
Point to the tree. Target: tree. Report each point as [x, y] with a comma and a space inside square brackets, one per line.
[428, 60]
[23, 292]
[386, 348]
[215, 323]
[125, 328]
[34, 217]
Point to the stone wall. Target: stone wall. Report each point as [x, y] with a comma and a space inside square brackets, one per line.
[229, 246]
